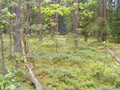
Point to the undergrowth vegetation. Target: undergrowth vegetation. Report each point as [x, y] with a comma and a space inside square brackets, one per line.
[87, 67]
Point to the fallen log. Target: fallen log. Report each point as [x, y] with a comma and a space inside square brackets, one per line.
[32, 76]
[114, 56]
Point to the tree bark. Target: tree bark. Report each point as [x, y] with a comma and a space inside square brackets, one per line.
[26, 29]
[2, 51]
[76, 25]
[17, 35]
[32, 76]
[40, 20]
[85, 31]
[52, 28]
[25, 40]
[104, 33]
[10, 35]
[85, 36]
[2, 48]
[98, 35]
[11, 45]
[114, 56]
[104, 9]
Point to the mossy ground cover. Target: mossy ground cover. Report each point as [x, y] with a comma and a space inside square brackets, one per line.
[87, 67]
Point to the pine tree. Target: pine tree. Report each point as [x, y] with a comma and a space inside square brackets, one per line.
[115, 22]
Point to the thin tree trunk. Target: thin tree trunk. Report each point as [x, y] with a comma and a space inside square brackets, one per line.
[40, 20]
[40, 34]
[28, 17]
[52, 28]
[10, 35]
[85, 31]
[56, 18]
[56, 29]
[98, 35]
[2, 51]
[26, 28]
[104, 33]
[17, 29]
[25, 40]
[114, 56]
[2, 48]
[76, 25]
[85, 36]
[32, 76]
[104, 36]
[104, 9]
[53, 17]
[11, 54]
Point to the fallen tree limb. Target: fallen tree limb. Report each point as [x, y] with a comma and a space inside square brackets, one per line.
[114, 56]
[33, 78]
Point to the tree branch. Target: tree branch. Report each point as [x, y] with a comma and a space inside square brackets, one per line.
[33, 78]
[114, 56]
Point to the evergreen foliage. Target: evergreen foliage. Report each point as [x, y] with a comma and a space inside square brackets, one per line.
[115, 23]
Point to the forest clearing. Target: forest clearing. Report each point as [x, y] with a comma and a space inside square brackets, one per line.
[59, 44]
[89, 67]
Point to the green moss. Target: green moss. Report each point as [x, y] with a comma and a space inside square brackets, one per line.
[84, 68]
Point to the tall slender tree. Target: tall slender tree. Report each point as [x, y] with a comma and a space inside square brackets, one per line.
[52, 28]
[10, 34]
[85, 31]
[76, 24]
[2, 46]
[40, 19]
[17, 29]
[104, 33]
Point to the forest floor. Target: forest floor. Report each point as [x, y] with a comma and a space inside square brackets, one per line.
[58, 65]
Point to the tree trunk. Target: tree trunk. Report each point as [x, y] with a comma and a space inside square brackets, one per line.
[56, 29]
[11, 45]
[17, 35]
[76, 25]
[2, 48]
[2, 51]
[98, 35]
[28, 16]
[104, 33]
[40, 20]
[85, 31]
[40, 34]
[52, 28]
[104, 9]
[85, 36]
[53, 17]
[56, 18]
[25, 40]
[104, 36]
[31, 73]
[10, 35]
